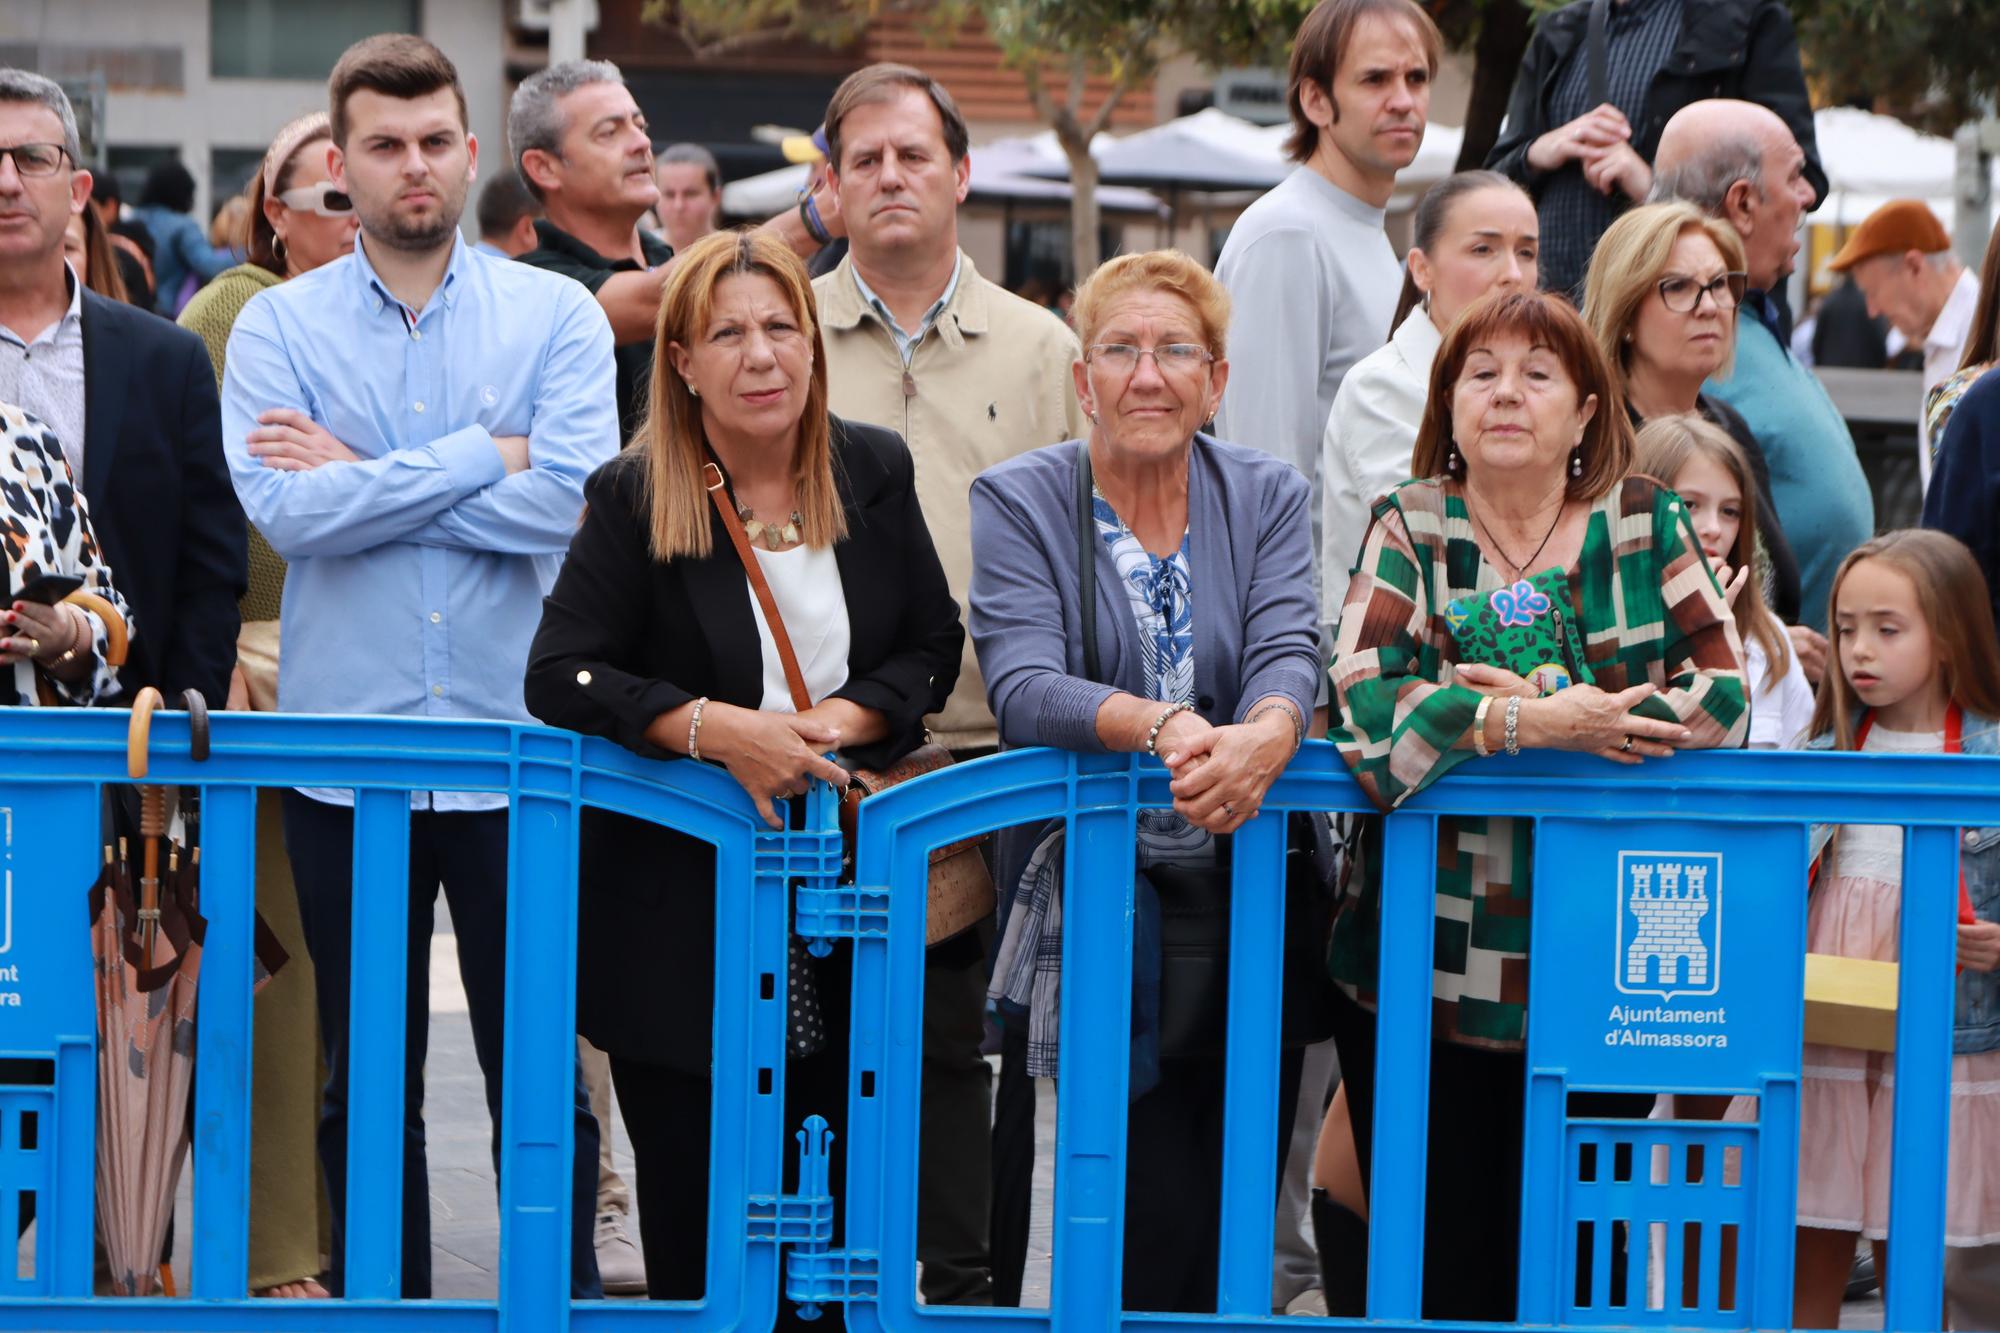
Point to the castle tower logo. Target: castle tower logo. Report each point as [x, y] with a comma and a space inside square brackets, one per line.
[1669, 923]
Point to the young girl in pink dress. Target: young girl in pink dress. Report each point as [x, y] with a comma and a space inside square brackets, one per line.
[1916, 671]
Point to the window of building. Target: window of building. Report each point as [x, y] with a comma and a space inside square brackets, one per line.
[230, 169]
[129, 164]
[281, 39]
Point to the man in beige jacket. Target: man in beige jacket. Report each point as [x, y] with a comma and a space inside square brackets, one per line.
[970, 374]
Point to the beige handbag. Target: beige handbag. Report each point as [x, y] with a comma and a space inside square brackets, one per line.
[961, 888]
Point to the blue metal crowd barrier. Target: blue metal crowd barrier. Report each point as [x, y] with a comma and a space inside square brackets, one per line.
[1637, 987]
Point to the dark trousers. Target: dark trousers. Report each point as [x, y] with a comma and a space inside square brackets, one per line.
[954, 1163]
[1472, 1193]
[1173, 1182]
[466, 853]
[666, 1114]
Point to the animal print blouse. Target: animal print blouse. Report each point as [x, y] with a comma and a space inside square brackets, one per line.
[45, 529]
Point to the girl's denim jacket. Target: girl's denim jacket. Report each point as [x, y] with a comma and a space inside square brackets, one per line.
[1977, 1024]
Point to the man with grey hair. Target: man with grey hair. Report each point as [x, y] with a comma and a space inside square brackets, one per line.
[1739, 162]
[580, 143]
[131, 399]
[1900, 260]
[690, 193]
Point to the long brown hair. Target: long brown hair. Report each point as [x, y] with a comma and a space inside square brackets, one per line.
[1982, 344]
[1433, 211]
[100, 261]
[672, 445]
[1668, 444]
[1954, 602]
[1545, 321]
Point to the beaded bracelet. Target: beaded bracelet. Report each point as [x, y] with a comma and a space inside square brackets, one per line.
[1514, 725]
[694, 728]
[1153, 736]
[1479, 744]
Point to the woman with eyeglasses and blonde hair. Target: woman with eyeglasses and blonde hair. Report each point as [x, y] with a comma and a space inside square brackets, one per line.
[1660, 299]
[295, 222]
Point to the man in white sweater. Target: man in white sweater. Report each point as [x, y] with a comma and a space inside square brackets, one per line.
[1308, 267]
[1313, 282]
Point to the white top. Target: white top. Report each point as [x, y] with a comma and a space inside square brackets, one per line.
[1943, 346]
[805, 583]
[1370, 436]
[1312, 283]
[46, 376]
[1875, 851]
[1780, 715]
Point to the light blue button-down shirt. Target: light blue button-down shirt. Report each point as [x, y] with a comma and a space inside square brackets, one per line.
[416, 575]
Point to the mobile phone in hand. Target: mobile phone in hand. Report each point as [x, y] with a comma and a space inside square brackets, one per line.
[48, 589]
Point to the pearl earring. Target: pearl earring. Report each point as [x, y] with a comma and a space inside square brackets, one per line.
[1576, 461]
[693, 392]
[1451, 460]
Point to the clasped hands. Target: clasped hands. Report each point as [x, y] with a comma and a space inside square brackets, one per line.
[1600, 142]
[1583, 718]
[1220, 774]
[291, 441]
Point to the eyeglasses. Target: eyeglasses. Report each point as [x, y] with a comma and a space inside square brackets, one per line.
[1123, 358]
[1682, 294]
[36, 159]
[320, 198]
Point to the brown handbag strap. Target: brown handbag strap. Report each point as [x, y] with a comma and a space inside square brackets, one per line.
[795, 678]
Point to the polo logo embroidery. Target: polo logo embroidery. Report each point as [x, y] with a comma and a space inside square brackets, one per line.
[1669, 924]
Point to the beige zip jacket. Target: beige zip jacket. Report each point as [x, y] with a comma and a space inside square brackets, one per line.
[990, 380]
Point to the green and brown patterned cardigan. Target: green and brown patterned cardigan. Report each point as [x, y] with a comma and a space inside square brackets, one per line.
[1648, 608]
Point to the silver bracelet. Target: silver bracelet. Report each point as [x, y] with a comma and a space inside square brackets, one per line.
[1153, 736]
[1291, 716]
[1514, 725]
[694, 728]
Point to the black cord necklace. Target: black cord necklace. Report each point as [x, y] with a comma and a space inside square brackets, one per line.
[1520, 569]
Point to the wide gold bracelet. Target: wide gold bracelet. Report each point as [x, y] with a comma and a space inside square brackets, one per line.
[1479, 726]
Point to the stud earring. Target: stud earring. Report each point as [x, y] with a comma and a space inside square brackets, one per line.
[692, 391]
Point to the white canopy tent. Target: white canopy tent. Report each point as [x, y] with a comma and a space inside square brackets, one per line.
[1871, 159]
[998, 174]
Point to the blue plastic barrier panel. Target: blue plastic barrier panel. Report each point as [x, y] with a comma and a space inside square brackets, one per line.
[45, 916]
[1669, 956]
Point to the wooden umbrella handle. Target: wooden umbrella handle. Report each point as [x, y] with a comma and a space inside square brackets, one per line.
[140, 736]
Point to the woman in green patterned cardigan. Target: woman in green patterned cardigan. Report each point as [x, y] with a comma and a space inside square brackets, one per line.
[1527, 594]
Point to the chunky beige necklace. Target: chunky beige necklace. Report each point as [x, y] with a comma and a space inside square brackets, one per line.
[771, 536]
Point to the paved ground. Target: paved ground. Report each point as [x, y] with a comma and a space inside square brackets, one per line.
[465, 1209]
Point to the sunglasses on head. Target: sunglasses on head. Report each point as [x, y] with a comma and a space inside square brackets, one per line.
[322, 199]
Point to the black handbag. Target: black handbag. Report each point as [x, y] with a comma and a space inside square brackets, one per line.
[1194, 900]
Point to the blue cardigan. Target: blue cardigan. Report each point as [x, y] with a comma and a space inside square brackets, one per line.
[1256, 626]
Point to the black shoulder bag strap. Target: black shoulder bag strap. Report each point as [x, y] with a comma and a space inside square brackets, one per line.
[1086, 561]
[1596, 54]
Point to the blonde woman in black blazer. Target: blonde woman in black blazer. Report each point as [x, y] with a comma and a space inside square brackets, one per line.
[653, 613]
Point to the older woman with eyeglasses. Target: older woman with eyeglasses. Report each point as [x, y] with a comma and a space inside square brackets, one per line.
[1660, 299]
[1149, 589]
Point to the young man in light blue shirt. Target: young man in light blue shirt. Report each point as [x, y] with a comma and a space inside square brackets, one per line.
[411, 427]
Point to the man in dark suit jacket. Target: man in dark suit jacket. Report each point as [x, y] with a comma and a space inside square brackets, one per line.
[132, 400]
[159, 492]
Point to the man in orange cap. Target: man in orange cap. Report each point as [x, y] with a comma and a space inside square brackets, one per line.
[1900, 258]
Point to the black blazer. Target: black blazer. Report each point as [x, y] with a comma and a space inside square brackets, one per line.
[653, 635]
[160, 497]
[1727, 48]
